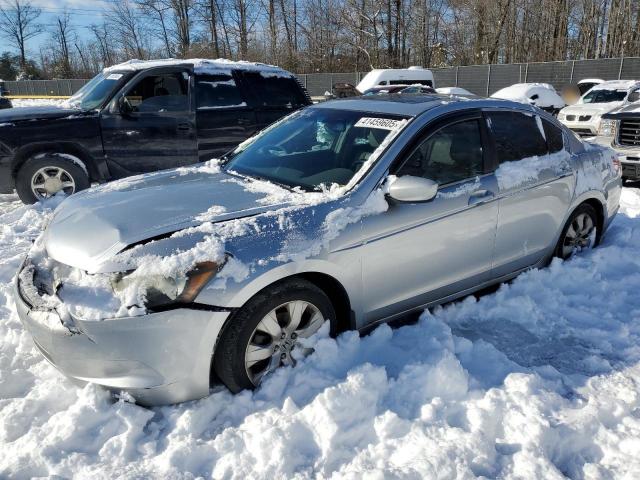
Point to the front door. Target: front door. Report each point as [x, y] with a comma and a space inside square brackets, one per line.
[150, 126]
[416, 253]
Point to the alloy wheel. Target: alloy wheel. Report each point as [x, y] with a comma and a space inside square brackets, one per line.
[48, 181]
[580, 234]
[277, 334]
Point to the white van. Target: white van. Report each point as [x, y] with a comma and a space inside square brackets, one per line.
[396, 76]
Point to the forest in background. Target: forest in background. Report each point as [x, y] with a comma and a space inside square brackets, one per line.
[307, 36]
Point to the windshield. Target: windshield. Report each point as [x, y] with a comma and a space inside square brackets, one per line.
[314, 147]
[604, 96]
[93, 94]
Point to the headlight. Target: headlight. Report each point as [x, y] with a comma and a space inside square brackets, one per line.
[561, 116]
[608, 128]
[159, 291]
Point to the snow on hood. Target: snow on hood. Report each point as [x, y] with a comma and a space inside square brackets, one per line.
[36, 113]
[92, 226]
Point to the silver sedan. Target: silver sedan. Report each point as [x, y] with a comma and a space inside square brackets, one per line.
[347, 213]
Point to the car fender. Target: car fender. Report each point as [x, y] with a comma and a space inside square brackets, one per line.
[235, 295]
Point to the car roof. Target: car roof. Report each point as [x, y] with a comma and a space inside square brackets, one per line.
[200, 65]
[412, 105]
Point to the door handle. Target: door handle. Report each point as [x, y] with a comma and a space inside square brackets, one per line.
[480, 196]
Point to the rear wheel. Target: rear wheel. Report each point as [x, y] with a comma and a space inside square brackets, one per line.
[579, 233]
[264, 333]
[43, 176]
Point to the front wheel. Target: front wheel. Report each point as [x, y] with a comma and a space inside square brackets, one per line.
[579, 233]
[262, 335]
[43, 176]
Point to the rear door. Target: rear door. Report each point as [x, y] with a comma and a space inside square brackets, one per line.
[273, 96]
[224, 116]
[535, 187]
[157, 131]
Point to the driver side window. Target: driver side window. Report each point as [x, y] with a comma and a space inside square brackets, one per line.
[449, 155]
[166, 92]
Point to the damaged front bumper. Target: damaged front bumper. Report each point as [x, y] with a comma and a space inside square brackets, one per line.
[159, 358]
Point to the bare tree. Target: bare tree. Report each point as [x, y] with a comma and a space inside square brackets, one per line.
[19, 24]
[124, 18]
[159, 12]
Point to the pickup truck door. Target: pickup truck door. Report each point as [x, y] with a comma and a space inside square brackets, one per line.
[150, 124]
[224, 116]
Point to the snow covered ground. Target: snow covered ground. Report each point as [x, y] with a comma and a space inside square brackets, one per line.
[538, 380]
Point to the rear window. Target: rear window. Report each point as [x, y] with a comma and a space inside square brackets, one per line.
[554, 136]
[274, 91]
[517, 136]
[217, 91]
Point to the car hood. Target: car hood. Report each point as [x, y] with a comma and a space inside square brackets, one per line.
[631, 110]
[91, 227]
[590, 108]
[35, 113]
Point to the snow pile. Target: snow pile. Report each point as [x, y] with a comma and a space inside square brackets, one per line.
[538, 380]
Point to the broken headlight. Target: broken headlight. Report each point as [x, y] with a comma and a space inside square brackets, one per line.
[156, 291]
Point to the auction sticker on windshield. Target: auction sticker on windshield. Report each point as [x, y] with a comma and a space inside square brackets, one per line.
[382, 123]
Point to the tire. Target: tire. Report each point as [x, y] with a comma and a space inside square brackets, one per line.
[578, 235]
[245, 339]
[43, 170]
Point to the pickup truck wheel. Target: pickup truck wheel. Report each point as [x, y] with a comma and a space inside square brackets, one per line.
[43, 176]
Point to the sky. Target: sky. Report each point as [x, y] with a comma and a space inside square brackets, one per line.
[83, 13]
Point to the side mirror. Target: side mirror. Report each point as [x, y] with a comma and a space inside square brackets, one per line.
[634, 96]
[124, 107]
[413, 189]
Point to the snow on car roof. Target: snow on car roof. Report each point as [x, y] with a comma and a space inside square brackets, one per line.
[616, 85]
[590, 80]
[522, 92]
[201, 65]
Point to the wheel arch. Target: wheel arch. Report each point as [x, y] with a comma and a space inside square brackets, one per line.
[29, 151]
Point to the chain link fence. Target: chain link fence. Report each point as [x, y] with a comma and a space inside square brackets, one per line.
[479, 79]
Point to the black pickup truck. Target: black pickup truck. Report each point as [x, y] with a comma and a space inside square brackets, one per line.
[139, 117]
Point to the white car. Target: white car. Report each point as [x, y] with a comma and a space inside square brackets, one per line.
[585, 117]
[454, 91]
[396, 76]
[542, 95]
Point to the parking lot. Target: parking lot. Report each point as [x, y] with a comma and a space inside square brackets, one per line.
[538, 379]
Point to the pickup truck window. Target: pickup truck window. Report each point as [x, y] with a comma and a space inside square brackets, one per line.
[167, 92]
[274, 91]
[217, 91]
